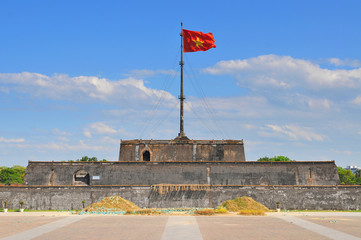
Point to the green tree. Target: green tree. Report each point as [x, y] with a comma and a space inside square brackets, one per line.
[358, 173]
[346, 176]
[88, 159]
[264, 159]
[274, 159]
[84, 159]
[9, 176]
[20, 169]
[281, 159]
[358, 176]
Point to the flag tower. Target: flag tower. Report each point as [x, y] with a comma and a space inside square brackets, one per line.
[191, 41]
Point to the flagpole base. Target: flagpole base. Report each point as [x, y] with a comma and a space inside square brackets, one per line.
[181, 138]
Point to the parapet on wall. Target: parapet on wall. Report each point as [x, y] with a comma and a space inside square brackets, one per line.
[151, 173]
[182, 150]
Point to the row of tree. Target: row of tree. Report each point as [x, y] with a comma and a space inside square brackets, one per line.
[348, 177]
[274, 159]
[12, 175]
[88, 159]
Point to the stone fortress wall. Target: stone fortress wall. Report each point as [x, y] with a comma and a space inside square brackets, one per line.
[290, 197]
[214, 171]
[211, 173]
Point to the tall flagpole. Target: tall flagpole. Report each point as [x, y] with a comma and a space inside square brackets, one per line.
[181, 97]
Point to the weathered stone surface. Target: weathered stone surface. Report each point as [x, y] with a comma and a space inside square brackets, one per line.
[182, 151]
[213, 173]
[290, 197]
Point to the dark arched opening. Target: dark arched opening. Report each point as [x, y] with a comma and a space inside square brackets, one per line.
[81, 177]
[146, 156]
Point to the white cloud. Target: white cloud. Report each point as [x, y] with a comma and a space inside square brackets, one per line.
[56, 131]
[66, 146]
[107, 139]
[285, 72]
[247, 106]
[357, 100]
[343, 152]
[9, 140]
[87, 133]
[296, 132]
[313, 103]
[65, 139]
[319, 103]
[249, 126]
[282, 92]
[100, 128]
[83, 88]
[345, 62]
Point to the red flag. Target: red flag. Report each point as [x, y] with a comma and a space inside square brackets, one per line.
[197, 41]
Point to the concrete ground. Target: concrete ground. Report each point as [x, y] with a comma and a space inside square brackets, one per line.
[318, 225]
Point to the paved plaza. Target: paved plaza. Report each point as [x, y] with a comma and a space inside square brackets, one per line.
[288, 225]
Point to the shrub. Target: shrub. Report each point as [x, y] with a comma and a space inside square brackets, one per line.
[264, 159]
[139, 212]
[220, 211]
[274, 159]
[10, 176]
[347, 177]
[206, 212]
[248, 212]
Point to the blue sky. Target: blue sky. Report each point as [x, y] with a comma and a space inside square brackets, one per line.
[78, 76]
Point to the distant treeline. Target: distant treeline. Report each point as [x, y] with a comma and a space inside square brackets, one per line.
[12, 175]
[274, 159]
[348, 177]
[88, 159]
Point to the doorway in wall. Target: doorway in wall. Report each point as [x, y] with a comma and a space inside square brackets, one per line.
[146, 156]
[82, 178]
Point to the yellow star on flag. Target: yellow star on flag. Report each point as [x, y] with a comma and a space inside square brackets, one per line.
[198, 42]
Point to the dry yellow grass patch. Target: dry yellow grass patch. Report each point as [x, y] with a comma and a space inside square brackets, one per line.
[243, 203]
[252, 212]
[114, 203]
[205, 212]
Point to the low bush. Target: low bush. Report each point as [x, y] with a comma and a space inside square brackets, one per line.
[206, 212]
[221, 211]
[248, 212]
[143, 212]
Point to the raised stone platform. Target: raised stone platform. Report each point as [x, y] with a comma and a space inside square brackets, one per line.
[211, 173]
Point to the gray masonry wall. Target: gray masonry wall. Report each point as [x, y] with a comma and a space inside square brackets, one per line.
[290, 197]
[213, 173]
